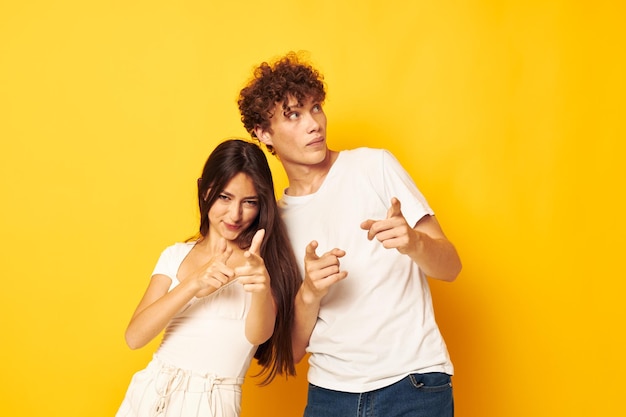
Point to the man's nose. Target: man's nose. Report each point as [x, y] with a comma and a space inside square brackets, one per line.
[313, 124]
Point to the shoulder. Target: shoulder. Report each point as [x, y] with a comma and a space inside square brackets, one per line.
[178, 249]
[171, 258]
[363, 152]
[369, 159]
[364, 157]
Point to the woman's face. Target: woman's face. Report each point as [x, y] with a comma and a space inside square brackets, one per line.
[235, 209]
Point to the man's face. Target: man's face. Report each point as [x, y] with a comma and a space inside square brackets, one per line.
[297, 133]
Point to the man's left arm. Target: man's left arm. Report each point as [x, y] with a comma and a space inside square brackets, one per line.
[433, 252]
[425, 243]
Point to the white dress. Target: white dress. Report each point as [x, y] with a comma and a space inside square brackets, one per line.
[201, 363]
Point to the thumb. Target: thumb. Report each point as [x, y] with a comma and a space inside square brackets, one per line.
[394, 210]
[255, 246]
[310, 251]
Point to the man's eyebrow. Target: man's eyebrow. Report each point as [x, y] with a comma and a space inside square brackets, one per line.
[287, 106]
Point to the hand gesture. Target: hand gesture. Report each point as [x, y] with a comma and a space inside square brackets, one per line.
[321, 272]
[215, 273]
[253, 275]
[393, 231]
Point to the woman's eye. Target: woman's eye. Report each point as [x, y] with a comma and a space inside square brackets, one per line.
[251, 203]
[317, 108]
[224, 197]
[293, 115]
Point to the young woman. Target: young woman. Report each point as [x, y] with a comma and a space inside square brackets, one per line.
[223, 297]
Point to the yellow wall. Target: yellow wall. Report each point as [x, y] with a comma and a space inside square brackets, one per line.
[509, 115]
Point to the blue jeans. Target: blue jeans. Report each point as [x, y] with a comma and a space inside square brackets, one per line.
[417, 395]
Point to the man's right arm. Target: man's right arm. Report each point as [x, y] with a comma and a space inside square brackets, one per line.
[320, 273]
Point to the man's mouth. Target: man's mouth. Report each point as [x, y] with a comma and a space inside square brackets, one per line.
[316, 141]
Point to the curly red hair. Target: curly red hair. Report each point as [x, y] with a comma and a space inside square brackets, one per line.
[288, 77]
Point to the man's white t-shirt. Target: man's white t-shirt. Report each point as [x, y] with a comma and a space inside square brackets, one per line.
[377, 325]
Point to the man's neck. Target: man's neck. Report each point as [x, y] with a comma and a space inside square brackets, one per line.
[307, 179]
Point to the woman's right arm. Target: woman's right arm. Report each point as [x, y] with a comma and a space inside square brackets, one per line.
[158, 306]
[156, 309]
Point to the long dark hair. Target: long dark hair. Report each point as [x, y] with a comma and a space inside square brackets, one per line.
[230, 158]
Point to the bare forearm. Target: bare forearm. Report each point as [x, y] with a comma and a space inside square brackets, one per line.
[437, 257]
[147, 323]
[261, 318]
[306, 311]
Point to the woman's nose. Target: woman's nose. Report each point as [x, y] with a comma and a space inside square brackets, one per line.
[235, 212]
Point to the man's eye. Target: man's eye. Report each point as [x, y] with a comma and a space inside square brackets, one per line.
[293, 115]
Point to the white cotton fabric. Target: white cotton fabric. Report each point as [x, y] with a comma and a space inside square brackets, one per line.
[201, 363]
[163, 390]
[376, 326]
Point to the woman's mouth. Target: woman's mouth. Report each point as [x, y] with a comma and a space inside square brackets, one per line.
[232, 227]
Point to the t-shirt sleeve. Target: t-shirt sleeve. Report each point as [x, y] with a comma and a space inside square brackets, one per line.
[167, 265]
[161, 265]
[398, 183]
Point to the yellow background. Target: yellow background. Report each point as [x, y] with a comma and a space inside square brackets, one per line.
[508, 114]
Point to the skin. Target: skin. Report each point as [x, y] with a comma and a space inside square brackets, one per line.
[298, 136]
[214, 261]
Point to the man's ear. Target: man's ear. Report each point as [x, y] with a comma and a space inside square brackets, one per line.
[263, 136]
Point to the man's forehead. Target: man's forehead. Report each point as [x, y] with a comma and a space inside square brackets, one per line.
[293, 103]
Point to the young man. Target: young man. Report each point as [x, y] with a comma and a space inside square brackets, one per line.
[366, 240]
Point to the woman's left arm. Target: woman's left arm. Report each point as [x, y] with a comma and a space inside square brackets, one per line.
[255, 279]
